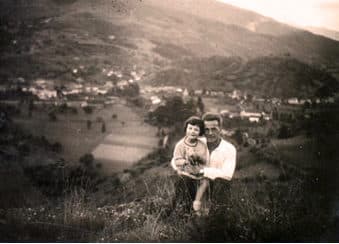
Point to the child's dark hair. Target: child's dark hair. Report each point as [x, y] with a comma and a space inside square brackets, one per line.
[195, 120]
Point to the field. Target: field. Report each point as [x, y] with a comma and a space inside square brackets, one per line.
[298, 151]
[76, 139]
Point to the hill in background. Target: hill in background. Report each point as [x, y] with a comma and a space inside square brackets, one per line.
[49, 38]
[264, 76]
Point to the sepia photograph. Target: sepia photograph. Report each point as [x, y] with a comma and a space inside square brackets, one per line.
[169, 121]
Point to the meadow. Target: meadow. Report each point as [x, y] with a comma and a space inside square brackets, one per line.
[72, 132]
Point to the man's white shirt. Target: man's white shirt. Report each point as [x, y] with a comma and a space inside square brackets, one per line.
[222, 162]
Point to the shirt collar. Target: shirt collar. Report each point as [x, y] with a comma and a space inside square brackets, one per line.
[214, 146]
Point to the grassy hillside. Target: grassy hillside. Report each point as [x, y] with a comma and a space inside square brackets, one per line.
[56, 202]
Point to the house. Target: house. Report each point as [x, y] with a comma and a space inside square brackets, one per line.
[198, 92]
[254, 119]
[243, 113]
[262, 100]
[102, 91]
[235, 94]
[276, 101]
[266, 117]
[329, 100]
[155, 100]
[43, 94]
[228, 133]
[84, 104]
[220, 94]
[224, 112]
[293, 101]
[185, 95]
[252, 116]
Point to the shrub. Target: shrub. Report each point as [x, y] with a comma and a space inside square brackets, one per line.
[103, 127]
[87, 160]
[56, 147]
[88, 109]
[89, 124]
[52, 116]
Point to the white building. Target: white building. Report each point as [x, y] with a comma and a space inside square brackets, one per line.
[254, 119]
[293, 101]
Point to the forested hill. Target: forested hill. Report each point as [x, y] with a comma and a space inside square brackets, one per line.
[48, 38]
[265, 76]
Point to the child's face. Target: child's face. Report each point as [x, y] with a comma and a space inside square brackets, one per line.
[192, 131]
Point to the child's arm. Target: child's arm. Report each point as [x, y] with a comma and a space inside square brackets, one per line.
[178, 160]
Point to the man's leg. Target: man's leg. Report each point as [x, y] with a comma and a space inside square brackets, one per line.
[219, 191]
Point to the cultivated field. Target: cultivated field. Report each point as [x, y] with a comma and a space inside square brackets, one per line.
[124, 133]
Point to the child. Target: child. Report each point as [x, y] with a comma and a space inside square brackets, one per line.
[190, 154]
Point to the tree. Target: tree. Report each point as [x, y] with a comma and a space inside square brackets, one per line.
[238, 137]
[52, 117]
[56, 147]
[89, 124]
[284, 132]
[87, 160]
[201, 105]
[173, 112]
[103, 127]
[30, 107]
[88, 109]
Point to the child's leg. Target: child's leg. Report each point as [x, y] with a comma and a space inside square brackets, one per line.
[200, 192]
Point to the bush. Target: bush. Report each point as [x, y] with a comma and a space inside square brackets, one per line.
[175, 111]
[74, 110]
[99, 119]
[56, 147]
[103, 127]
[52, 116]
[87, 160]
[88, 109]
[89, 124]
[284, 132]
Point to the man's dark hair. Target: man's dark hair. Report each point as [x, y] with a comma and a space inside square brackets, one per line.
[209, 116]
[195, 120]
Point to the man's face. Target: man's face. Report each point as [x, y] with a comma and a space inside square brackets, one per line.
[212, 130]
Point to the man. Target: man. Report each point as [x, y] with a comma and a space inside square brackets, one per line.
[222, 153]
[222, 161]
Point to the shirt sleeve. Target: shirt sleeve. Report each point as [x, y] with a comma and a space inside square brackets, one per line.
[178, 155]
[227, 167]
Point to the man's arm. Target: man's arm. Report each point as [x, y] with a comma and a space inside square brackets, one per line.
[227, 167]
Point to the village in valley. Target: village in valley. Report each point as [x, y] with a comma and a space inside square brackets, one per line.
[247, 118]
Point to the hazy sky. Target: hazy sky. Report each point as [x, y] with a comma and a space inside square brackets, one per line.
[319, 13]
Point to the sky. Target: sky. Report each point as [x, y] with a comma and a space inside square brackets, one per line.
[318, 13]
